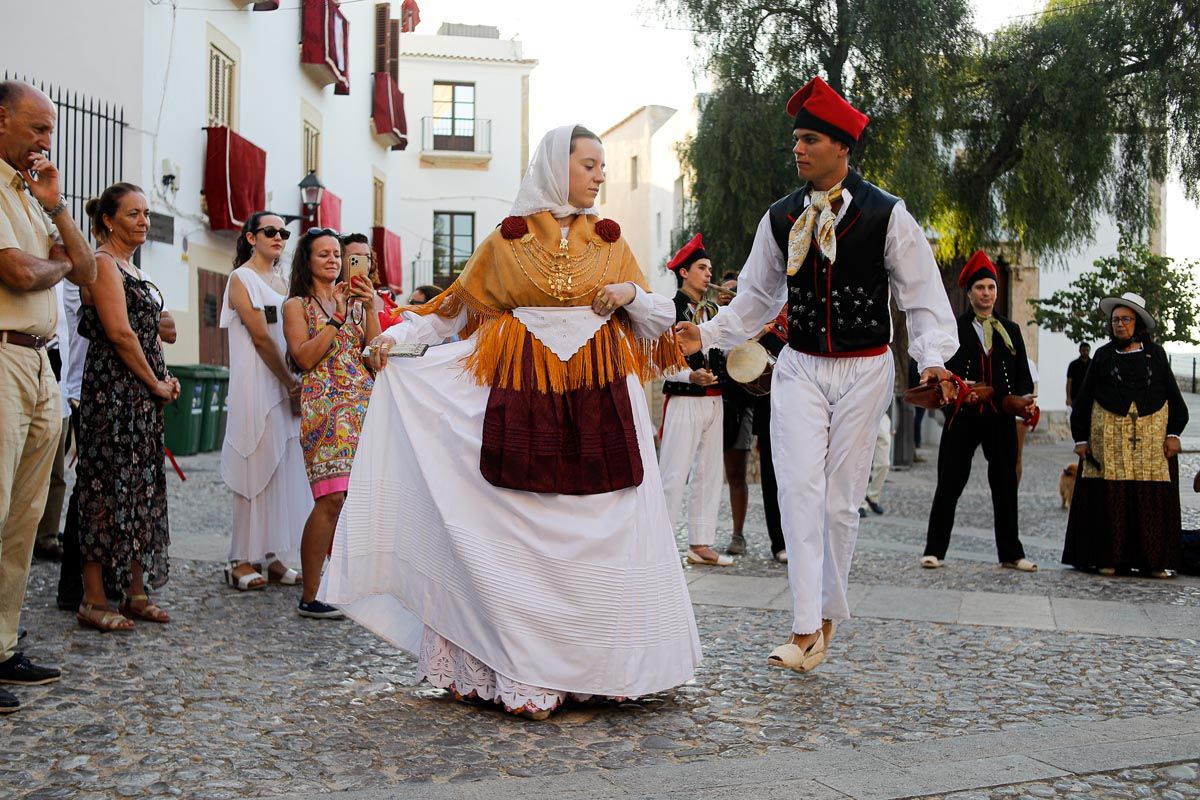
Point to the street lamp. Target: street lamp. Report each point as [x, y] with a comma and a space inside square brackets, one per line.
[311, 192]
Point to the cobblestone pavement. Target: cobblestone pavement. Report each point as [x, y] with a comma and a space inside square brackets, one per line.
[241, 698]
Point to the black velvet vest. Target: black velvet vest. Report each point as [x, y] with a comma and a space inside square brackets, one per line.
[715, 361]
[842, 307]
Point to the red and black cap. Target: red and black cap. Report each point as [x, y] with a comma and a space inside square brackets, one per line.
[689, 254]
[818, 107]
[978, 267]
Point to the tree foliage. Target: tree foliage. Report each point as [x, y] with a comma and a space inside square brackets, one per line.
[1168, 287]
[1025, 135]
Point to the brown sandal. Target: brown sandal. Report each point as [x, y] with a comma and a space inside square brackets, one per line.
[102, 619]
[147, 610]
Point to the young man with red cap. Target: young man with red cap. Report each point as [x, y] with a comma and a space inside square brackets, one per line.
[836, 251]
[692, 432]
[992, 352]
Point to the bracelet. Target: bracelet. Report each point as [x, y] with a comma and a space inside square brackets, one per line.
[334, 322]
[58, 209]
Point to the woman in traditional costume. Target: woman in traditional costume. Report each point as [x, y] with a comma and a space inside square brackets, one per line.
[1126, 420]
[505, 520]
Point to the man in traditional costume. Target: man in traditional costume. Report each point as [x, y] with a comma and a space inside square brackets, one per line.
[505, 519]
[692, 432]
[836, 251]
[991, 352]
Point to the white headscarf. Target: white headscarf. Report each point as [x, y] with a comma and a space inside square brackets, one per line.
[547, 181]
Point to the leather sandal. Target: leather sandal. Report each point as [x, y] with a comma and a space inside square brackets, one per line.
[930, 562]
[102, 619]
[1021, 565]
[278, 572]
[247, 581]
[790, 656]
[147, 610]
[828, 629]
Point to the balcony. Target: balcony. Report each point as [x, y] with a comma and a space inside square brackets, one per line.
[436, 272]
[456, 143]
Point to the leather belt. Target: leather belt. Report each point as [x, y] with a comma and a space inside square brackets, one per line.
[24, 339]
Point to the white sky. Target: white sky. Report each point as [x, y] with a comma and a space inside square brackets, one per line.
[598, 62]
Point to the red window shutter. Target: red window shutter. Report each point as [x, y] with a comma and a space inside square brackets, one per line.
[387, 248]
[235, 179]
[325, 44]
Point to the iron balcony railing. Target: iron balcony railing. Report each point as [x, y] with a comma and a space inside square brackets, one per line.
[448, 134]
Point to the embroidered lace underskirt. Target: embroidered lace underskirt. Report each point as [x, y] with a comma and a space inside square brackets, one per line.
[447, 666]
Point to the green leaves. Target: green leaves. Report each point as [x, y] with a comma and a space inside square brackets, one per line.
[1168, 287]
[1022, 137]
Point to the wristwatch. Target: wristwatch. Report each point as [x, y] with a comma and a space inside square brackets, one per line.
[58, 209]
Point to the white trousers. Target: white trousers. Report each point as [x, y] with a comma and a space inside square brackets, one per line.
[881, 461]
[824, 419]
[692, 442]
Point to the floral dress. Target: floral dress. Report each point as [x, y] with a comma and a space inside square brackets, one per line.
[121, 483]
[333, 402]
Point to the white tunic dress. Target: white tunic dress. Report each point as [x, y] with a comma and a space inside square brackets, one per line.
[261, 460]
[520, 597]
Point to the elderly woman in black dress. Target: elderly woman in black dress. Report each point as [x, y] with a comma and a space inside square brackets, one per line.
[1126, 422]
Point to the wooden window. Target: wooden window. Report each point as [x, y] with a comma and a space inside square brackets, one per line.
[214, 340]
[383, 36]
[377, 197]
[312, 148]
[393, 64]
[453, 242]
[221, 73]
[454, 116]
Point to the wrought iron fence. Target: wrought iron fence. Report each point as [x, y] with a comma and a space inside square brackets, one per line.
[89, 144]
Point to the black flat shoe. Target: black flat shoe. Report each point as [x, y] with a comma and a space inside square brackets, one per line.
[315, 609]
[21, 671]
[8, 702]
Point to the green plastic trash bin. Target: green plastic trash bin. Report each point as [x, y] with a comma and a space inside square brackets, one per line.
[183, 417]
[212, 411]
[212, 434]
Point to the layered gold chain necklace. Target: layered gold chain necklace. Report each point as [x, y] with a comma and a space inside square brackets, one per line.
[562, 275]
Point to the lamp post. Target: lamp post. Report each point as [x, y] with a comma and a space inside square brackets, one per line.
[311, 192]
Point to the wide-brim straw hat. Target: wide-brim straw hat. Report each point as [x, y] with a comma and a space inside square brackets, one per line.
[1131, 301]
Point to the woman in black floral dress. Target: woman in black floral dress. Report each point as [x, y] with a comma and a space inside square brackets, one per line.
[121, 483]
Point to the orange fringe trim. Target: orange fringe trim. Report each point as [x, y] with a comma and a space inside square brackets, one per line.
[612, 354]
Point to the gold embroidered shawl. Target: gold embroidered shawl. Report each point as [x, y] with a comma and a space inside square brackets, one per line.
[499, 277]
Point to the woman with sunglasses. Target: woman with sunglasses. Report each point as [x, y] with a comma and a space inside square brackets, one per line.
[1126, 420]
[261, 460]
[119, 477]
[326, 332]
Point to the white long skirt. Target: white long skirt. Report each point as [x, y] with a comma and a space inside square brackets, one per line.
[578, 594]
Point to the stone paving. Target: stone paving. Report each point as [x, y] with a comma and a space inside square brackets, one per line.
[241, 698]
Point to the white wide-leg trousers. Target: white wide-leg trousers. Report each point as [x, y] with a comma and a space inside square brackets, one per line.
[824, 419]
[692, 442]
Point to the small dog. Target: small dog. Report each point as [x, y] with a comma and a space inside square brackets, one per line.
[1066, 483]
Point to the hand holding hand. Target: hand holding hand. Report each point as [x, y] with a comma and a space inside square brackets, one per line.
[165, 391]
[612, 297]
[688, 337]
[45, 189]
[703, 377]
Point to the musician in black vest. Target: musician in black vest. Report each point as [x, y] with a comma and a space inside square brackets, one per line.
[991, 351]
[834, 251]
[692, 434]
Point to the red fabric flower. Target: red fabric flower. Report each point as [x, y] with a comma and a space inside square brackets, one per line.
[608, 230]
[513, 227]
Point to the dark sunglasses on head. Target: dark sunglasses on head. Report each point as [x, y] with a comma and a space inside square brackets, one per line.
[313, 233]
[270, 231]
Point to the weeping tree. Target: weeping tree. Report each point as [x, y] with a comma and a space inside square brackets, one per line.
[896, 61]
[1026, 135]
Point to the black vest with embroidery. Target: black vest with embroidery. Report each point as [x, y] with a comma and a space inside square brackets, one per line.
[715, 362]
[844, 307]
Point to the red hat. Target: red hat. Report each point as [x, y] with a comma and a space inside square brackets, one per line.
[689, 254]
[978, 267]
[819, 108]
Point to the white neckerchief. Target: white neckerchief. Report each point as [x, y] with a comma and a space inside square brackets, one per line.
[547, 181]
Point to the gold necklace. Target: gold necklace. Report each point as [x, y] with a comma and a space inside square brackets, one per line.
[561, 271]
